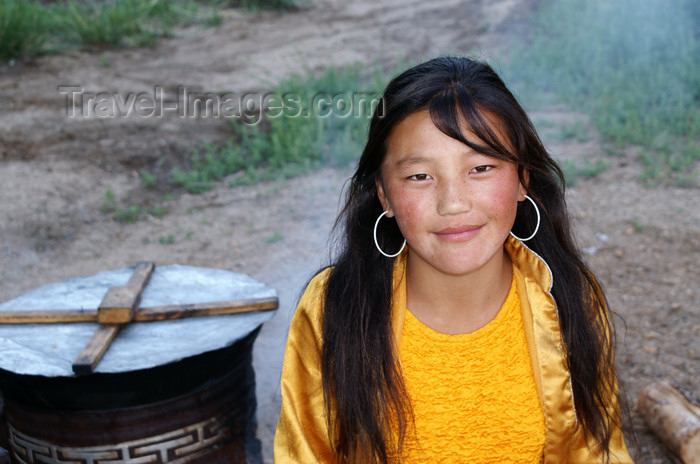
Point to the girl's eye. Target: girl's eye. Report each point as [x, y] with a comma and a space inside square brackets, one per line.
[419, 177]
[483, 168]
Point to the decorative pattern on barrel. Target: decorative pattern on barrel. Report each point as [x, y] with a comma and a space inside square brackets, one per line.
[176, 447]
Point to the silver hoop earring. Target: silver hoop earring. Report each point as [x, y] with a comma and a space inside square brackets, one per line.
[537, 227]
[376, 243]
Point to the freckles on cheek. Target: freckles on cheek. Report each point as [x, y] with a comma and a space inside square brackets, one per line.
[407, 218]
[503, 203]
[503, 206]
[508, 208]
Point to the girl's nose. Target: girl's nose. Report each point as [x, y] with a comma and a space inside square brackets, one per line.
[453, 198]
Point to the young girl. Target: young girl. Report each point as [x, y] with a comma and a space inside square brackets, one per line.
[438, 336]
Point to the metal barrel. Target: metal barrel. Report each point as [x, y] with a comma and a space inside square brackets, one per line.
[197, 410]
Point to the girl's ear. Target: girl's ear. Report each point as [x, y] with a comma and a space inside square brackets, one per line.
[383, 198]
[522, 185]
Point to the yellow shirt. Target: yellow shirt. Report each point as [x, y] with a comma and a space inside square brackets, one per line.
[473, 395]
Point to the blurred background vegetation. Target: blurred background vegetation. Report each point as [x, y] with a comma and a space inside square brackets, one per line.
[632, 66]
[29, 27]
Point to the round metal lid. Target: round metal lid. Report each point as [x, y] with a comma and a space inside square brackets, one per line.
[50, 349]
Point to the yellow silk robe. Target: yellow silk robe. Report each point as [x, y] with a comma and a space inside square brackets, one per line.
[302, 432]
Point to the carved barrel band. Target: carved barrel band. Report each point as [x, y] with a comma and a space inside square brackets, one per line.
[174, 447]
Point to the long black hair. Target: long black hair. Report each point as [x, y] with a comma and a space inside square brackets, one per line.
[364, 392]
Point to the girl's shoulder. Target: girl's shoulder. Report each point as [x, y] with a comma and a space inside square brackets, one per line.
[311, 302]
[316, 288]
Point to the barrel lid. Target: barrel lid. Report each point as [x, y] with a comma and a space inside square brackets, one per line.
[50, 349]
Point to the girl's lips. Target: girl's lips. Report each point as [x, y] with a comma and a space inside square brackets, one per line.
[458, 234]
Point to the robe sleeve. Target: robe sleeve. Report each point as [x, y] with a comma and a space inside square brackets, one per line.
[302, 431]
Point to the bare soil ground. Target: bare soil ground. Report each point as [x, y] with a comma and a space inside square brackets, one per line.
[55, 170]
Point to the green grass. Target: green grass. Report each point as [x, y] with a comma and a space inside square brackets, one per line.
[167, 239]
[638, 226]
[24, 29]
[157, 211]
[292, 141]
[573, 171]
[575, 130]
[127, 214]
[274, 238]
[119, 23]
[109, 202]
[633, 67]
[109, 205]
[28, 28]
[147, 179]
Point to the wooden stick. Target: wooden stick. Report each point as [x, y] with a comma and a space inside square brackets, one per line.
[116, 309]
[47, 316]
[150, 314]
[673, 418]
[120, 303]
[161, 313]
[95, 348]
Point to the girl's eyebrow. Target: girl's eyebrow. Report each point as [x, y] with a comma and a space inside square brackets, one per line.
[411, 160]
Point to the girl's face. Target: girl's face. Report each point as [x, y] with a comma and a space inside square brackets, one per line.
[455, 207]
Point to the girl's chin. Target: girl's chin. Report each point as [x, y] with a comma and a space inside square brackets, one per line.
[456, 268]
[456, 262]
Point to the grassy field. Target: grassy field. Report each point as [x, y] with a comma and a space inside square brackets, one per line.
[320, 120]
[633, 66]
[28, 28]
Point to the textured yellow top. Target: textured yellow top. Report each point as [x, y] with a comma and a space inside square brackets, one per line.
[473, 395]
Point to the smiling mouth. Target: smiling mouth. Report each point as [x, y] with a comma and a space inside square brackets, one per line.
[458, 234]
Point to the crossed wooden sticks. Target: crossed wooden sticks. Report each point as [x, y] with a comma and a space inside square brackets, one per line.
[120, 306]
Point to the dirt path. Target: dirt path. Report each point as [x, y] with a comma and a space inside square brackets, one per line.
[55, 170]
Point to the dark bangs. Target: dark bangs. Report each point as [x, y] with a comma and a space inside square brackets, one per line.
[454, 108]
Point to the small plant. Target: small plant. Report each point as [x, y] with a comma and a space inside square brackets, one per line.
[105, 62]
[147, 179]
[167, 239]
[128, 215]
[209, 166]
[638, 226]
[157, 211]
[576, 131]
[274, 238]
[572, 171]
[109, 202]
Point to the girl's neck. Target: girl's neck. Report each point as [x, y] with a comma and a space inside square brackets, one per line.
[458, 304]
